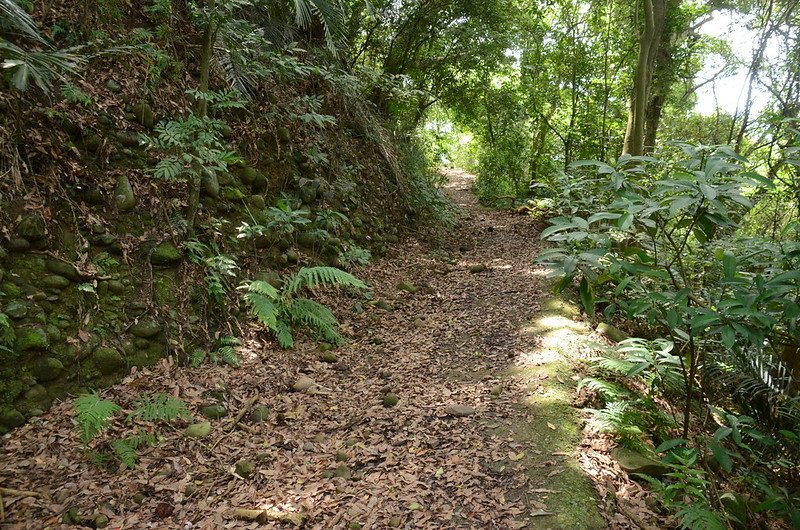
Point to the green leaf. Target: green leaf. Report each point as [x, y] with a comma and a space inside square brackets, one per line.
[587, 296]
[722, 456]
[729, 265]
[670, 444]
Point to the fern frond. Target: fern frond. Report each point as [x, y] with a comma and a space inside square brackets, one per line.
[197, 357]
[317, 317]
[262, 288]
[93, 415]
[284, 334]
[617, 366]
[229, 356]
[607, 389]
[160, 407]
[229, 340]
[124, 450]
[700, 517]
[314, 277]
[264, 309]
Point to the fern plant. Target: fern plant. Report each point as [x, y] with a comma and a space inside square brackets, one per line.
[225, 353]
[284, 310]
[94, 415]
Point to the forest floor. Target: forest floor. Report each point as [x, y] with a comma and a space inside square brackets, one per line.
[484, 434]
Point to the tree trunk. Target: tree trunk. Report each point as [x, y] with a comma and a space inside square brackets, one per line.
[654, 15]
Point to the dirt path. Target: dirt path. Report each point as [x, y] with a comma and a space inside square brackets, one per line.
[335, 454]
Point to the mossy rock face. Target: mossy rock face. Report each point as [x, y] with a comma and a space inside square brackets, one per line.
[32, 227]
[108, 360]
[113, 86]
[48, 369]
[124, 198]
[145, 329]
[612, 333]
[36, 398]
[329, 357]
[11, 418]
[54, 281]
[259, 184]
[166, 253]
[32, 339]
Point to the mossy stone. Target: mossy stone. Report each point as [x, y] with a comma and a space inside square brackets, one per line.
[233, 194]
[342, 471]
[257, 202]
[144, 114]
[11, 418]
[248, 175]
[209, 184]
[259, 414]
[341, 456]
[395, 522]
[292, 256]
[54, 281]
[329, 357]
[32, 339]
[632, 462]
[198, 430]
[32, 227]
[165, 253]
[108, 360]
[407, 286]
[115, 287]
[478, 267]
[113, 86]
[259, 184]
[16, 309]
[47, 369]
[101, 521]
[214, 412]
[124, 198]
[128, 138]
[145, 329]
[284, 135]
[244, 468]
[63, 268]
[390, 400]
[612, 333]
[18, 244]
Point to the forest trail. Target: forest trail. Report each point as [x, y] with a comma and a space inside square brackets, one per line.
[483, 434]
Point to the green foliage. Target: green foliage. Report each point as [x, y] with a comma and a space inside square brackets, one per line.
[283, 220]
[283, 310]
[32, 58]
[355, 255]
[93, 415]
[191, 146]
[218, 267]
[160, 407]
[73, 94]
[655, 240]
[224, 353]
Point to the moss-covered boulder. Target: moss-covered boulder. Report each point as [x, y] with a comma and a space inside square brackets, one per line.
[635, 463]
[32, 339]
[16, 309]
[214, 412]
[128, 138]
[108, 360]
[144, 114]
[32, 227]
[47, 369]
[124, 198]
[54, 281]
[198, 430]
[63, 268]
[165, 253]
[11, 418]
[209, 184]
[248, 174]
[145, 329]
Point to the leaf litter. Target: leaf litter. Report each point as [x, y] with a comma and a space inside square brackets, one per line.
[331, 454]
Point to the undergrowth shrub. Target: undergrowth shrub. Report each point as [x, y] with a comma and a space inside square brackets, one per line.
[283, 310]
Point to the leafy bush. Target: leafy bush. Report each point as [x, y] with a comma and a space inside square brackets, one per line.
[283, 310]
